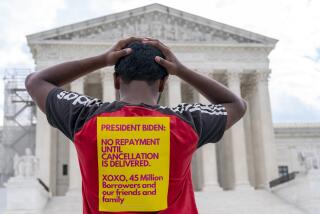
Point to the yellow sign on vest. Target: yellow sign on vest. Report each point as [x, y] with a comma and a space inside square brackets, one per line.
[133, 162]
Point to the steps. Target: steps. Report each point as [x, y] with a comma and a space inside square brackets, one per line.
[64, 205]
[243, 202]
[219, 202]
[2, 199]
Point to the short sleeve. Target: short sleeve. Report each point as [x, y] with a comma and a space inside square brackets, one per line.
[208, 119]
[68, 111]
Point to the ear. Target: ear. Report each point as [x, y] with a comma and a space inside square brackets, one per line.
[162, 83]
[116, 81]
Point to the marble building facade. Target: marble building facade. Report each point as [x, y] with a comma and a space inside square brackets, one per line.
[238, 169]
[237, 58]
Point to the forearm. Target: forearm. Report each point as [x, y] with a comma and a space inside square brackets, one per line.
[66, 72]
[39, 84]
[214, 91]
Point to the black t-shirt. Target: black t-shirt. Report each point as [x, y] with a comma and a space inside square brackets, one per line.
[68, 111]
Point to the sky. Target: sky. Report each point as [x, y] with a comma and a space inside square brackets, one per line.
[294, 83]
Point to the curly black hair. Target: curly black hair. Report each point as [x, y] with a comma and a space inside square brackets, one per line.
[140, 64]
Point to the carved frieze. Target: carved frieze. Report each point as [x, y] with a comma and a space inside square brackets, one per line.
[155, 24]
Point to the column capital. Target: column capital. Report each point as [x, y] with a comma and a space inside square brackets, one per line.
[233, 76]
[234, 82]
[262, 75]
[235, 70]
[106, 74]
[174, 78]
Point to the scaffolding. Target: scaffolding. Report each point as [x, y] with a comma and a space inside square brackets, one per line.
[19, 120]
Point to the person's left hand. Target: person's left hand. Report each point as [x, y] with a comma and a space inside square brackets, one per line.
[170, 62]
[118, 50]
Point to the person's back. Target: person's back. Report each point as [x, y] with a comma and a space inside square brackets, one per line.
[134, 154]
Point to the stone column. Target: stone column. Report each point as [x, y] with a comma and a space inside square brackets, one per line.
[74, 169]
[108, 90]
[174, 91]
[248, 137]
[238, 139]
[46, 146]
[262, 131]
[208, 159]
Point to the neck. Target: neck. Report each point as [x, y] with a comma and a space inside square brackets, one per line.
[137, 100]
[138, 92]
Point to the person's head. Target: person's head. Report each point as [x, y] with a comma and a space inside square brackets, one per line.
[140, 68]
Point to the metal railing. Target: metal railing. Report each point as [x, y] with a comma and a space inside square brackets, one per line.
[283, 179]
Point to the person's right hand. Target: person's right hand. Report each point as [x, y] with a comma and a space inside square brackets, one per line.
[118, 50]
[171, 63]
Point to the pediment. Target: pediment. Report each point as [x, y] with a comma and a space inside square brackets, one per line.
[157, 21]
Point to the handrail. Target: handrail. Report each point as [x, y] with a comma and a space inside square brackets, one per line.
[43, 185]
[283, 179]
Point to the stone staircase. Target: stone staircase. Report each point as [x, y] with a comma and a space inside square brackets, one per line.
[218, 202]
[2, 199]
[69, 204]
[243, 202]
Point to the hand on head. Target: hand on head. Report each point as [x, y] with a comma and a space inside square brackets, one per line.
[170, 62]
[119, 50]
